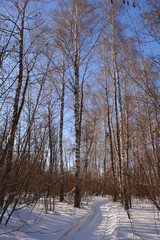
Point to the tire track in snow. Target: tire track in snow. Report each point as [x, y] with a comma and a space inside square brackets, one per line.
[107, 227]
[99, 224]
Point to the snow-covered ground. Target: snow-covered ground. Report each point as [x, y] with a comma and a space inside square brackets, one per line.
[98, 218]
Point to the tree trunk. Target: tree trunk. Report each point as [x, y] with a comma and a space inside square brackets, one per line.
[105, 155]
[77, 139]
[111, 148]
[77, 119]
[119, 107]
[61, 137]
[126, 171]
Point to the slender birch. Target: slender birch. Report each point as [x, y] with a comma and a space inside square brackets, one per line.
[61, 131]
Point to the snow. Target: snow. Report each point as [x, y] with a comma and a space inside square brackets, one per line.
[98, 218]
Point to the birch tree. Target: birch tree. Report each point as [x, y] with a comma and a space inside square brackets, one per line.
[18, 65]
[61, 133]
[75, 35]
[113, 41]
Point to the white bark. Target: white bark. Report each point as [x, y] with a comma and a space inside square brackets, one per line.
[117, 89]
[77, 112]
[61, 135]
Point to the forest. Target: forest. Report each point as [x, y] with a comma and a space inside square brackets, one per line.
[79, 101]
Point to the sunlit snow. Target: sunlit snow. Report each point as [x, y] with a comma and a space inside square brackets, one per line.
[98, 218]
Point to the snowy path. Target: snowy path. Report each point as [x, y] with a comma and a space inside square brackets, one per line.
[97, 219]
[99, 226]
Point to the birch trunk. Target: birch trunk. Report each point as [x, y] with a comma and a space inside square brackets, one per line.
[50, 182]
[118, 136]
[77, 139]
[61, 136]
[105, 155]
[77, 126]
[111, 149]
[127, 178]
[118, 108]
[110, 137]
